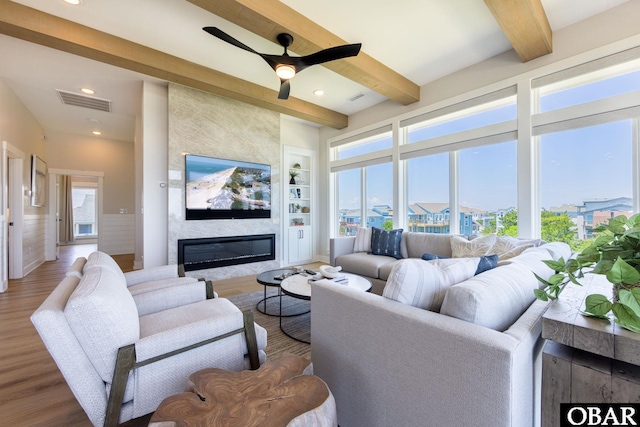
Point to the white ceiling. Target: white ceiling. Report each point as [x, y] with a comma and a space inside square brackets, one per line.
[421, 39]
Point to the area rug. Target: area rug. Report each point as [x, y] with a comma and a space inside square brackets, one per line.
[278, 343]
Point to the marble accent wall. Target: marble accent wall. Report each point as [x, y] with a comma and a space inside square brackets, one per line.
[209, 125]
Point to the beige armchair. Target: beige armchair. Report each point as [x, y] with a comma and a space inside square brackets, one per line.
[120, 365]
[153, 289]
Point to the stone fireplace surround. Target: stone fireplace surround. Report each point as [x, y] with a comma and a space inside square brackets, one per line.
[209, 125]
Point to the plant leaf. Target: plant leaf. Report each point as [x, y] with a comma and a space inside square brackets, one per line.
[597, 305]
[630, 299]
[626, 318]
[603, 266]
[541, 280]
[621, 272]
[556, 279]
[555, 265]
[541, 295]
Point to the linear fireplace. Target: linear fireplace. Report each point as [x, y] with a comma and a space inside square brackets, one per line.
[211, 252]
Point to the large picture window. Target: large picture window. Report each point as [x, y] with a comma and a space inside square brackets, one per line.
[379, 190]
[469, 167]
[585, 178]
[428, 194]
[487, 188]
[349, 201]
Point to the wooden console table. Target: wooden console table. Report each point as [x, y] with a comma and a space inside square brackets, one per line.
[586, 360]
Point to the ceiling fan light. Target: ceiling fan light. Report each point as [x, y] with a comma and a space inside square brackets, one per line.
[285, 72]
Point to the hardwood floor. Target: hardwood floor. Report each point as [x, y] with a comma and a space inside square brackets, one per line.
[32, 389]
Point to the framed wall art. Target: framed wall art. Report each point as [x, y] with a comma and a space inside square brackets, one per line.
[38, 181]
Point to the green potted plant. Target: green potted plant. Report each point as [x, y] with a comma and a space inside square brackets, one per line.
[614, 253]
[293, 174]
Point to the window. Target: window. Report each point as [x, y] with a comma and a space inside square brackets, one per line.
[428, 194]
[578, 169]
[464, 120]
[377, 143]
[585, 178]
[487, 185]
[591, 87]
[379, 191]
[84, 210]
[349, 201]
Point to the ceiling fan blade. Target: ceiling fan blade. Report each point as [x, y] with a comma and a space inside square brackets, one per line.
[330, 54]
[217, 32]
[285, 87]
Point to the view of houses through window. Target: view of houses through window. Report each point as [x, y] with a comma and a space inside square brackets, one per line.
[582, 168]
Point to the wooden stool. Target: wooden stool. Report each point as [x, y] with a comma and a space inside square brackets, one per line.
[277, 394]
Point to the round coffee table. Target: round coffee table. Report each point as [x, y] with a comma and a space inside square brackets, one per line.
[273, 278]
[298, 286]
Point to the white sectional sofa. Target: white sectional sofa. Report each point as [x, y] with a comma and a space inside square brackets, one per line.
[377, 268]
[476, 361]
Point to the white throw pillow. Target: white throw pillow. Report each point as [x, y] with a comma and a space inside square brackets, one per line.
[462, 248]
[424, 284]
[363, 240]
[508, 247]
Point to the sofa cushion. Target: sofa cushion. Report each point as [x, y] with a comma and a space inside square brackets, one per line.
[558, 250]
[363, 264]
[77, 267]
[508, 247]
[385, 270]
[486, 263]
[497, 298]
[430, 257]
[386, 243]
[418, 244]
[363, 240]
[103, 316]
[423, 284]
[462, 247]
[101, 259]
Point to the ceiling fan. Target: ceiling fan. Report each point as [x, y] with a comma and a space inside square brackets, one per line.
[287, 66]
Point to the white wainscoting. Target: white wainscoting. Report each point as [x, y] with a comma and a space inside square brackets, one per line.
[117, 234]
[33, 241]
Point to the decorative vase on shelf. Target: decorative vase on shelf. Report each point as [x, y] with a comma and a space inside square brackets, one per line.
[293, 174]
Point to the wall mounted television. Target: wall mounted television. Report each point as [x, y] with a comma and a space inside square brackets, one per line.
[226, 189]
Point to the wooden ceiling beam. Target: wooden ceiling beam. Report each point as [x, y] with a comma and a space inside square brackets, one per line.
[32, 25]
[525, 24]
[268, 18]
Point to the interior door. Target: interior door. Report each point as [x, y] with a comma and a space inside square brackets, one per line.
[4, 224]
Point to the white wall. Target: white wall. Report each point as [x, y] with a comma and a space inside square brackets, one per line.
[154, 168]
[20, 129]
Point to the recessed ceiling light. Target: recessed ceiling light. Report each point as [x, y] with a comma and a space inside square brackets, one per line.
[96, 132]
[88, 91]
[318, 92]
[73, 2]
